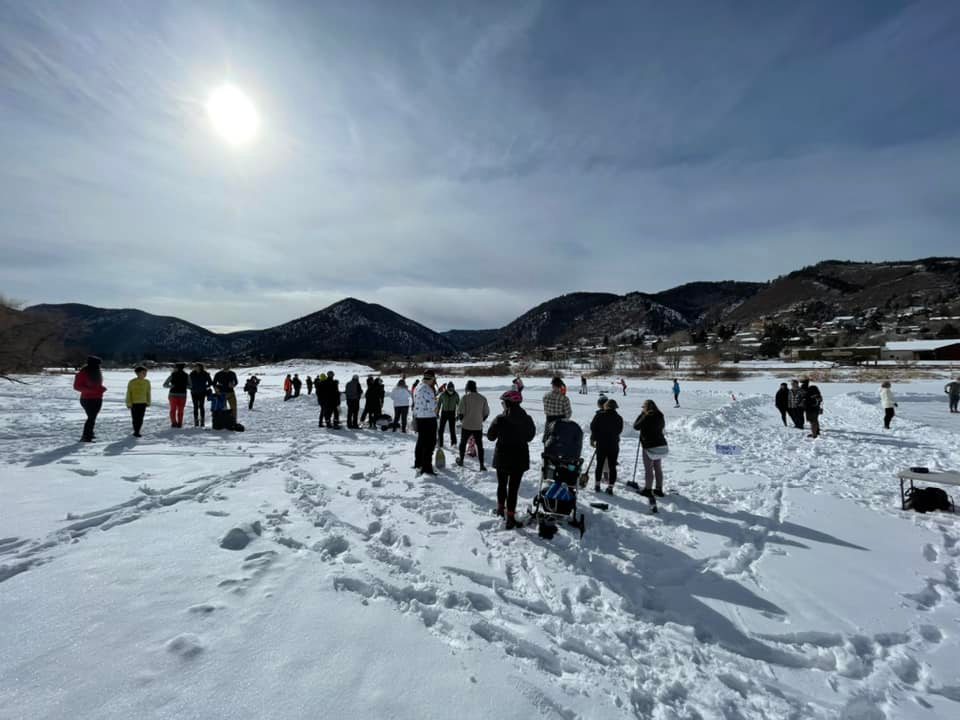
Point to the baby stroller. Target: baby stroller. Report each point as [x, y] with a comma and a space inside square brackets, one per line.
[556, 498]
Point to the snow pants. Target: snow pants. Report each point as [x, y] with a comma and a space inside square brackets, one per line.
[954, 402]
[888, 414]
[813, 417]
[426, 444]
[796, 414]
[353, 413]
[608, 455]
[177, 405]
[477, 436]
[92, 408]
[508, 487]
[652, 469]
[199, 411]
[783, 415]
[137, 411]
[253, 396]
[448, 416]
[400, 417]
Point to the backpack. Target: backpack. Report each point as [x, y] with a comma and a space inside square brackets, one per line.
[928, 499]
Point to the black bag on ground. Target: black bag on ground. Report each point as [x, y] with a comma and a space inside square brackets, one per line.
[222, 420]
[928, 499]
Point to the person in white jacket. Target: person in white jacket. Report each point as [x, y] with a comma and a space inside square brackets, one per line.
[425, 424]
[401, 398]
[886, 399]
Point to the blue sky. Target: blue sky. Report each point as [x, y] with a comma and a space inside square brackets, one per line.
[460, 162]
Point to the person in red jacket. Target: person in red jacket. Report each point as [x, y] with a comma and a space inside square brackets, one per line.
[89, 383]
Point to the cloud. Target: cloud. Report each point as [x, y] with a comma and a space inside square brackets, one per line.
[463, 164]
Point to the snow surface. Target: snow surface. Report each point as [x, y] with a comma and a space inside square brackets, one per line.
[784, 582]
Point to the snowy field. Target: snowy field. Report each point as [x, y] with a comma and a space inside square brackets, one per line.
[784, 582]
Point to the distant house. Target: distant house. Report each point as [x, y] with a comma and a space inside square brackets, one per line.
[922, 350]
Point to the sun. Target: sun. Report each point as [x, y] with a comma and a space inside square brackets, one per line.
[233, 115]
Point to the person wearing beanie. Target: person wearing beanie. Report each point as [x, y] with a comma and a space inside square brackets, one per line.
[888, 402]
[447, 403]
[472, 413]
[89, 383]
[179, 385]
[512, 430]
[605, 429]
[138, 398]
[297, 384]
[425, 424]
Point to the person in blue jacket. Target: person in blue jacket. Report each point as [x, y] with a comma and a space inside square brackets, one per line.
[676, 393]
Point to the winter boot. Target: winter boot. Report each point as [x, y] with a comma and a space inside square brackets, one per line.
[658, 492]
[499, 510]
[459, 461]
[511, 521]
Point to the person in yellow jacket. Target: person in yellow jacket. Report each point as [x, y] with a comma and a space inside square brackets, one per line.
[138, 398]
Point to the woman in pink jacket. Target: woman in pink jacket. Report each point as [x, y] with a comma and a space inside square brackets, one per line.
[89, 383]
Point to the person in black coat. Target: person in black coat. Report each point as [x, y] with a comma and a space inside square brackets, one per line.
[650, 424]
[200, 384]
[782, 401]
[328, 394]
[376, 393]
[605, 429]
[812, 406]
[512, 430]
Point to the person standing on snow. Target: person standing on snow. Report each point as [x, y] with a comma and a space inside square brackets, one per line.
[782, 402]
[623, 384]
[472, 413]
[225, 383]
[367, 398]
[447, 403]
[138, 398]
[795, 404]
[309, 385]
[287, 387]
[353, 392]
[605, 429]
[178, 383]
[250, 387]
[888, 403]
[604, 467]
[518, 385]
[650, 424]
[401, 398]
[328, 392]
[812, 405]
[297, 384]
[376, 395]
[200, 383]
[556, 404]
[676, 393]
[512, 430]
[89, 383]
[425, 424]
[952, 389]
[583, 384]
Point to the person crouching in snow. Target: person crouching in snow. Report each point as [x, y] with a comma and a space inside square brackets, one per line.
[512, 430]
[605, 429]
[886, 399]
[138, 398]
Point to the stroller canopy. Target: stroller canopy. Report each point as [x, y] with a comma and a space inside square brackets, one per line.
[564, 440]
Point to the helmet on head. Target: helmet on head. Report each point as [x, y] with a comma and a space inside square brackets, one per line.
[512, 397]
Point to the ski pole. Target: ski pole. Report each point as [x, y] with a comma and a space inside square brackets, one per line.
[636, 462]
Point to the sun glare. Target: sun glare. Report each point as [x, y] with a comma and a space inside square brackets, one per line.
[233, 115]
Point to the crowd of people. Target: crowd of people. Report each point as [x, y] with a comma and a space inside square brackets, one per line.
[438, 410]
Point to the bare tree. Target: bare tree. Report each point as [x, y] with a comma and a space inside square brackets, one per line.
[28, 341]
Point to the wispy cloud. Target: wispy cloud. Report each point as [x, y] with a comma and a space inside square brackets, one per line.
[460, 162]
